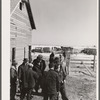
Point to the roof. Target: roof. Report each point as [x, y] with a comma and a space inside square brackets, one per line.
[14, 3]
[30, 14]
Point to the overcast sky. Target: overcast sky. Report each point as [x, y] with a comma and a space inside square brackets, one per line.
[65, 22]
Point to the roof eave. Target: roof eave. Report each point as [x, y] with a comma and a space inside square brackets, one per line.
[30, 14]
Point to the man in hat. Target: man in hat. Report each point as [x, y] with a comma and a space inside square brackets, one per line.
[51, 58]
[13, 80]
[22, 69]
[39, 67]
[62, 76]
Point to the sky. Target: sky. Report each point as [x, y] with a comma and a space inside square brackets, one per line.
[65, 22]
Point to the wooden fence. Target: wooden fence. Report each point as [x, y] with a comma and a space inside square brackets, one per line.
[83, 63]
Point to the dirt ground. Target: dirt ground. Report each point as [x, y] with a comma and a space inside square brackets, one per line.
[80, 88]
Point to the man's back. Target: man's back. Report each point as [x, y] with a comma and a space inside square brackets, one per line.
[52, 82]
[22, 74]
[31, 77]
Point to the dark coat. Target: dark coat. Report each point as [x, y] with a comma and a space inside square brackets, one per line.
[39, 67]
[13, 75]
[52, 82]
[22, 69]
[51, 59]
[31, 77]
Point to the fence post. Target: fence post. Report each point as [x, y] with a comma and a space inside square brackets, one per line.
[68, 61]
[94, 63]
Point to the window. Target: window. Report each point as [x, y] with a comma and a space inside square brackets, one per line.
[20, 5]
[13, 53]
[30, 58]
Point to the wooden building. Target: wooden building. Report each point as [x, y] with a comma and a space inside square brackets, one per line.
[21, 26]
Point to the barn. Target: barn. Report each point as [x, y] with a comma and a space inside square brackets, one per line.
[21, 26]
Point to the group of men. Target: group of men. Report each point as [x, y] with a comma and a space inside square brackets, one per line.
[33, 76]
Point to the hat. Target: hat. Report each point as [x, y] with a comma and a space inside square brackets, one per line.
[57, 60]
[39, 56]
[25, 59]
[14, 62]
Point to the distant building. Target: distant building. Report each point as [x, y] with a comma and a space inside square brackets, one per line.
[45, 48]
[21, 26]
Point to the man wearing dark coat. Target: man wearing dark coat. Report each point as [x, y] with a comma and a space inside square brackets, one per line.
[62, 76]
[31, 77]
[51, 89]
[13, 80]
[51, 58]
[27, 78]
[22, 69]
[39, 67]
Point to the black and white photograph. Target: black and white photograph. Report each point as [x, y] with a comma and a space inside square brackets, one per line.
[52, 50]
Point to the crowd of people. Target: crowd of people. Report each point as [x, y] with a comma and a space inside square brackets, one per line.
[32, 76]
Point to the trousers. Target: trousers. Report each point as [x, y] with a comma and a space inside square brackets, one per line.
[63, 92]
[51, 96]
[25, 91]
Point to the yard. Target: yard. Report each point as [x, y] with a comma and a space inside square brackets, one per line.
[80, 85]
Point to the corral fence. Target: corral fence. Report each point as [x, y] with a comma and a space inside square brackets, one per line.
[82, 64]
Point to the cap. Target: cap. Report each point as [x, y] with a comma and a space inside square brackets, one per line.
[40, 56]
[57, 60]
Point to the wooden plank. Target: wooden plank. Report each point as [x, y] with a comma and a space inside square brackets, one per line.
[20, 24]
[89, 70]
[13, 32]
[22, 16]
[12, 36]
[19, 29]
[21, 19]
[19, 12]
[12, 26]
[80, 63]
[81, 60]
[12, 42]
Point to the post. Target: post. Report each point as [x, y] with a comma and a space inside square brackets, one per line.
[94, 62]
[30, 58]
[68, 61]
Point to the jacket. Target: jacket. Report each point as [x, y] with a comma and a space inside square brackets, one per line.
[31, 77]
[13, 75]
[39, 67]
[52, 82]
[22, 69]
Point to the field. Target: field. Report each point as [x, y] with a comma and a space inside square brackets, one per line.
[80, 84]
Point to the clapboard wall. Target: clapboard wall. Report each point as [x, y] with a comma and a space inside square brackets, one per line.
[20, 33]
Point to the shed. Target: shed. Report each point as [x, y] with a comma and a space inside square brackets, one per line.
[21, 26]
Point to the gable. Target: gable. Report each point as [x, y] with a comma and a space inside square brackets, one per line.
[13, 4]
[25, 8]
[21, 15]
